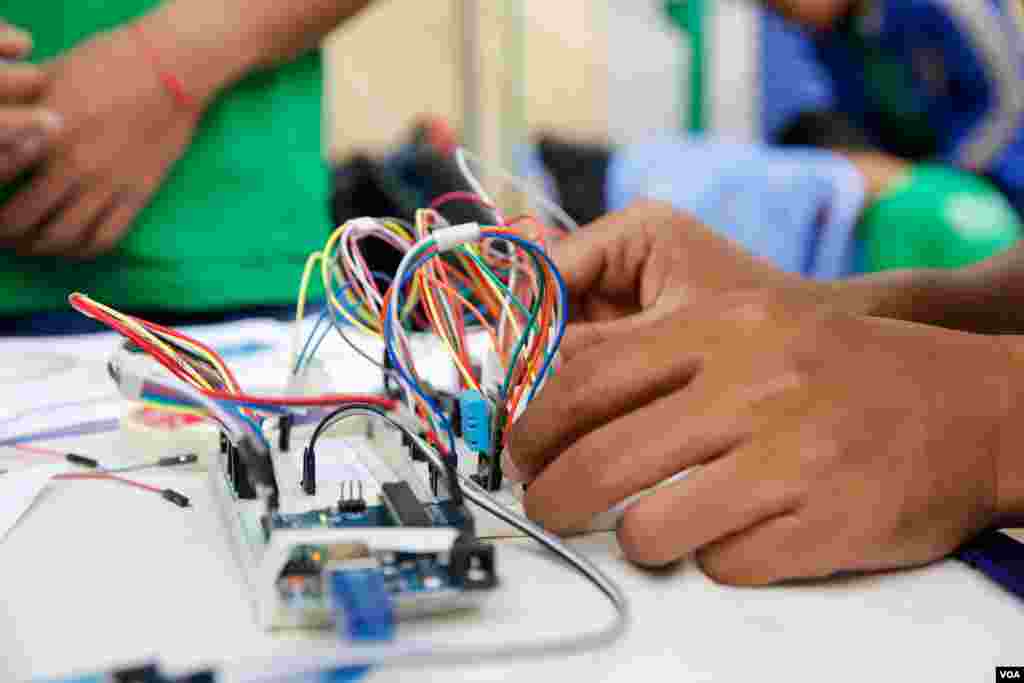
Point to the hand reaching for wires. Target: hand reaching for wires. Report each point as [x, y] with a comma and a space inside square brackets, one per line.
[639, 266]
[826, 441]
[26, 128]
[122, 131]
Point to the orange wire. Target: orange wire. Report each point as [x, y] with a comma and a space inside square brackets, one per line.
[476, 312]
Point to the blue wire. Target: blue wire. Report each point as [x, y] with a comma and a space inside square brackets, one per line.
[267, 408]
[549, 358]
[339, 294]
[302, 354]
[394, 301]
[563, 293]
[255, 428]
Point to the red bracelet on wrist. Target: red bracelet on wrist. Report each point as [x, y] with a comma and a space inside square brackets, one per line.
[171, 81]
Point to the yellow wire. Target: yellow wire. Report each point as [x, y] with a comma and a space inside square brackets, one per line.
[141, 330]
[466, 374]
[307, 272]
[183, 410]
[220, 368]
[325, 261]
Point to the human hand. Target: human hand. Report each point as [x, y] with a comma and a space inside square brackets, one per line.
[26, 129]
[638, 266]
[122, 131]
[827, 441]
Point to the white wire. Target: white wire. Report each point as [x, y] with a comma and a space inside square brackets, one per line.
[524, 186]
[419, 653]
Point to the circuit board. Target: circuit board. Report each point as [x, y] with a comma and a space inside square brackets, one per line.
[419, 583]
[369, 530]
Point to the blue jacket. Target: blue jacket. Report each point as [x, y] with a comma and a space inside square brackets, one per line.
[937, 79]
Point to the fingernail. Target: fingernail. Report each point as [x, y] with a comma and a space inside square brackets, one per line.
[509, 468]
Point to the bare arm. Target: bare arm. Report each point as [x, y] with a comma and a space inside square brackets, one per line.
[987, 297]
[209, 45]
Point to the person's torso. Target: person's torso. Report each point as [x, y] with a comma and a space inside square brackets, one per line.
[904, 80]
[235, 217]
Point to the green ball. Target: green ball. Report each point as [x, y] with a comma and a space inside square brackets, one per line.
[937, 217]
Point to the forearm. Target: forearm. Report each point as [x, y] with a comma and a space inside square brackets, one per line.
[209, 45]
[986, 298]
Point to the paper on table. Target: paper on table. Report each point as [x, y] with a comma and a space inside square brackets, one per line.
[18, 490]
[61, 383]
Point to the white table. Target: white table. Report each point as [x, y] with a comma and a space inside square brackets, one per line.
[98, 574]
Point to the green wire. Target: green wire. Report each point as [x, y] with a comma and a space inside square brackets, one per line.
[486, 270]
[530, 325]
[533, 313]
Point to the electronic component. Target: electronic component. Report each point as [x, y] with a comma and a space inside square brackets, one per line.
[147, 673]
[308, 471]
[284, 437]
[472, 564]
[351, 500]
[475, 419]
[290, 552]
[82, 460]
[364, 609]
[238, 470]
[175, 497]
[403, 504]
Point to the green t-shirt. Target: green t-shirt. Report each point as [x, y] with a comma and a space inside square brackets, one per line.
[235, 217]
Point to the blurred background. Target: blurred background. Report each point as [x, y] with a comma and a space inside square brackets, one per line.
[686, 101]
[572, 67]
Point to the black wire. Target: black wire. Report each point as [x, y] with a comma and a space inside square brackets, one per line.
[454, 488]
[338, 328]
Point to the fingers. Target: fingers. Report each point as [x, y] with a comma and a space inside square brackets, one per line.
[21, 82]
[66, 230]
[43, 198]
[593, 388]
[727, 496]
[25, 138]
[14, 42]
[631, 454]
[583, 335]
[774, 550]
[116, 221]
[609, 255]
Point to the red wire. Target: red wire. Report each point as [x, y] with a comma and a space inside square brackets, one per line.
[323, 400]
[37, 450]
[114, 477]
[157, 353]
[471, 197]
[178, 335]
[163, 359]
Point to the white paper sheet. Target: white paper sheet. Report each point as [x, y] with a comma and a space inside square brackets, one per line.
[19, 489]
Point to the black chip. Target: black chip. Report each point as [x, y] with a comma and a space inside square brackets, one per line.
[403, 505]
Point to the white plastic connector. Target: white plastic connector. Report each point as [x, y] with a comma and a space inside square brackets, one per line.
[449, 238]
[132, 370]
[313, 379]
[492, 372]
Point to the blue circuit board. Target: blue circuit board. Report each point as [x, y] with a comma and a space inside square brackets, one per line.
[331, 518]
[442, 514]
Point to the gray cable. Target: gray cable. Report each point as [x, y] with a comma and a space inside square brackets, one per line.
[419, 654]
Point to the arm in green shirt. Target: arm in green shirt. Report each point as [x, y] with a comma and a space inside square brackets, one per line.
[210, 45]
